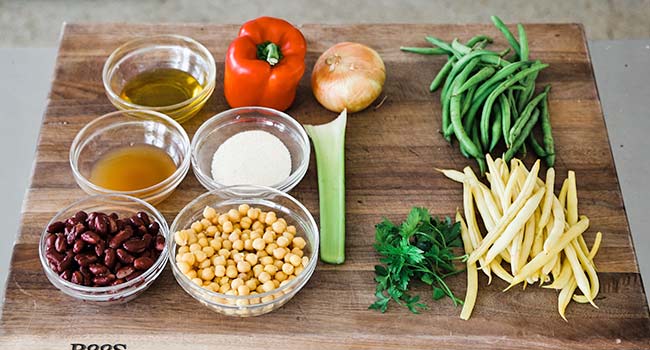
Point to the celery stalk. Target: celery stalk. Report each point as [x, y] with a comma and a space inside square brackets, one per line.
[329, 145]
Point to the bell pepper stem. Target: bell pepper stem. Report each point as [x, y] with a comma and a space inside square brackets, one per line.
[269, 52]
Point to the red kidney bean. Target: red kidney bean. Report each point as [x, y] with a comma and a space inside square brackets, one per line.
[124, 257]
[81, 216]
[143, 263]
[56, 227]
[60, 243]
[99, 248]
[118, 281]
[159, 244]
[77, 278]
[78, 246]
[134, 275]
[114, 216]
[125, 272]
[66, 275]
[90, 237]
[135, 221]
[101, 281]
[54, 257]
[154, 228]
[85, 259]
[66, 262]
[98, 269]
[121, 237]
[49, 242]
[71, 221]
[110, 257]
[112, 224]
[135, 245]
[143, 217]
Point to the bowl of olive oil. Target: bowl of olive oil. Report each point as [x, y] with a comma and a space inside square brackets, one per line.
[171, 74]
[140, 153]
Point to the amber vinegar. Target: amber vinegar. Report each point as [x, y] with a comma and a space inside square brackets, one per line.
[161, 87]
[132, 168]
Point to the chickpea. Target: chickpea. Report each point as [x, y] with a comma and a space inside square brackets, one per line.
[224, 288]
[268, 286]
[224, 280]
[243, 290]
[180, 237]
[262, 253]
[297, 251]
[278, 264]
[191, 236]
[259, 289]
[224, 252]
[188, 258]
[191, 274]
[279, 253]
[207, 274]
[305, 261]
[238, 244]
[209, 213]
[252, 213]
[261, 217]
[270, 248]
[248, 244]
[257, 226]
[183, 266]
[227, 227]
[287, 268]
[194, 247]
[231, 271]
[259, 244]
[266, 260]
[255, 235]
[209, 251]
[205, 263]
[264, 277]
[236, 283]
[299, 242]
[291, 229]
[243, 266]
[276, 283]
[271, 269]
[223, 218]
[183, 249]
[251, 283]
[219, 271]
[227, 244]
[288, 235]
[238, 257]
[280, 276]
[295, 260]
[230, 262]
[203, 242]
[257, 270]
[213, 286]
[211, 231]
[205, 223]
[298, 270]
[197, 281]
[278, 226]
[284, 282]
[282, 241]
[268, 237]
[234, 236]
[233, 215]
[251, 258]
[246, 222]
[200, 256]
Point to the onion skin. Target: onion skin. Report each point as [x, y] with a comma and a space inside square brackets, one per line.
[348, 76]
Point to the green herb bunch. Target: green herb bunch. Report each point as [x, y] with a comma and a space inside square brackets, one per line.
[421, 248]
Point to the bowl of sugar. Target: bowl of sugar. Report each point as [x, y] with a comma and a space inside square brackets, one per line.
[250, 146]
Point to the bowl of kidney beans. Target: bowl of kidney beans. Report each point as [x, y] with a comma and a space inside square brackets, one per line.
[105, 248]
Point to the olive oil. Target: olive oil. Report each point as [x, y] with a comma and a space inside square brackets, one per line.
[132, 168]
[161, 87]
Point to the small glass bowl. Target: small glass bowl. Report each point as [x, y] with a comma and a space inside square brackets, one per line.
[160, 51]
[265, 198]
[122, 293]
[222, 126]
[122, 128]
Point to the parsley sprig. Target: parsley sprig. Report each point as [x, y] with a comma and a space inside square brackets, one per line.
[421, 248]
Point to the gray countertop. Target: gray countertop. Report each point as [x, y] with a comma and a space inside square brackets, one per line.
[622, 68]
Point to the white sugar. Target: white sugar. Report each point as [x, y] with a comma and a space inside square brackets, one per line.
[251, 158]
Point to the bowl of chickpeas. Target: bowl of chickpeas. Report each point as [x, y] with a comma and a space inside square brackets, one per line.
[243, 250]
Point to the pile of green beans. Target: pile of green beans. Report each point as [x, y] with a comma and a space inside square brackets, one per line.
[488, 96]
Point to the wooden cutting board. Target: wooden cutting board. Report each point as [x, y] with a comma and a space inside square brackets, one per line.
[390, 160]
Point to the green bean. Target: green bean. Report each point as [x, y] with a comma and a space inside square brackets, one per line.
[477, 39]
[446, 120]
[505, 116]
[495, 60]
[549, 144]
[519, 141]
[507, 33]
[529, 90]
[460, 133]
[459, 79]
[481, 75]
[514, 113]
[424, 50]
[475, 138]
[456, 45]
[481, 165]
[467, 100]
[443, 45]
[537, 148]
[503, 73]
[462, 62]
[463, 151]
[496, 126]
[523, 43]
[525, 115]
[435, 84]
[487, 107]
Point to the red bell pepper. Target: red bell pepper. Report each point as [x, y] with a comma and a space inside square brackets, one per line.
[264, 64]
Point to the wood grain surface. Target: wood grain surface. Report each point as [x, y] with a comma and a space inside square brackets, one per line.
[390, 160]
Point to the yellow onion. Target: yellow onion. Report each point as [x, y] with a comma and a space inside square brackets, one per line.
[348, 76]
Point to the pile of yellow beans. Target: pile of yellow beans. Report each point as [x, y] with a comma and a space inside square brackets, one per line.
[245, 251]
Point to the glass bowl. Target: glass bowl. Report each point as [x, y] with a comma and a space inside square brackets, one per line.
[123, 206]
[160, 51]
[122, 128]
[265, 198]
[222, 126]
